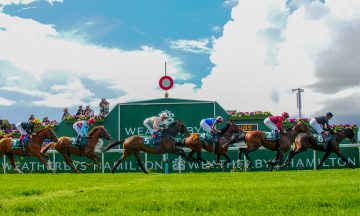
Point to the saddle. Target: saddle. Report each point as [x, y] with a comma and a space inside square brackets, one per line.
[82, 143]
[207, 138]
[323, 138]
[18, 144]
[271, 136]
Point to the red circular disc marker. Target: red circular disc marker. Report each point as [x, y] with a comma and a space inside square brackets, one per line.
[166, 83]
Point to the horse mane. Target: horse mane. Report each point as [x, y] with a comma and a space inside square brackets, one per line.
[173, 123]
[290, 128]
[41, 130]
[352, 134]
[225, 128]
[93, 130]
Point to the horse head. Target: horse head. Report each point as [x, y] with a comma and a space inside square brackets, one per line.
[349, 133]
[175, 127]
[301, 126]
[230, 128]
[47, 133]
[183, 129]
[100, 132]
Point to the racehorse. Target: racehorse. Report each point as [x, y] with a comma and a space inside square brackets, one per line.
[305, 141]
[256, 139]
[135, 144]
[225, 137]
[32, 148]
[64, 147]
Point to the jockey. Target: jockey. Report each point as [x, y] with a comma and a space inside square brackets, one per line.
[321, 124]
[27, 128]
[81, 127]
[274, 123]
[152, 124]
[209, 125]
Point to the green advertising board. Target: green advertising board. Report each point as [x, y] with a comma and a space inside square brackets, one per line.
[126, 119]
[158, 163]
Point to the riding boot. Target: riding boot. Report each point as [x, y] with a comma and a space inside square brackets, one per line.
[325, 146]
[77, 141]
[277, 134]
[22, 143]
[155, 138]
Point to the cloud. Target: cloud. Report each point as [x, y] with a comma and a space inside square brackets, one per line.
[65, 72]
[262, 56]
[346, 109]
[230, 3]
[6, 102]
[342, 57]
[4, 3]
[193, 46]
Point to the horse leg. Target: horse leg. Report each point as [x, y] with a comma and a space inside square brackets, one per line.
[326, 155]
[68, 161]
[273, 162]
[139, 162]
[200, 158]
[126, 153]
[289, 158]
[344, 159]
[12, 163]
[190, 155]
[181, 152]
[246, 152]
[218, 157]
[228, 160]
[41, 159]
[47, 157]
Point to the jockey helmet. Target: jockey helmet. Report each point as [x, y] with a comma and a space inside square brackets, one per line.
[91, 121]
[37, 121]
[164, 115]
[285, 115]
[219, 119]
[329, 114]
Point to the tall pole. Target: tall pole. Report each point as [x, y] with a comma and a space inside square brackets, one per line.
[298, 98]
[166, 93]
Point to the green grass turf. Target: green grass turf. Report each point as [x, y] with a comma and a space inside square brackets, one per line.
[324, 192]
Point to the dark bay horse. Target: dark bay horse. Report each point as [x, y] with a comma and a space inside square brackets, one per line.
[33, 147]
[65, 148]
[225, 138]
[305, 141]
[135, 144]
[256, 139]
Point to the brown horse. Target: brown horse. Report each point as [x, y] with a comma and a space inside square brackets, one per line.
[135, 144]
[305, 141]
[225, 137]
[256, 139]
[33, 148]
[65, 148]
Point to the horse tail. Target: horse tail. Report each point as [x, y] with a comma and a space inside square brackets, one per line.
[195, 136]
[112, 145]
[46, 147]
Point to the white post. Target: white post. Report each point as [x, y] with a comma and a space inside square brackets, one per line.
[4, 165]
[314, 159]
[179, 164]
[245, 163]
[102, 162]
[146, 160]
[54, 161]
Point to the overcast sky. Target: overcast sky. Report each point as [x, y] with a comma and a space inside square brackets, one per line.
[246, 55]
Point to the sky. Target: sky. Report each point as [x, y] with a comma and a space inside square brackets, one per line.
[247, 55]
